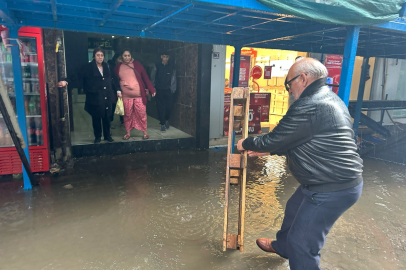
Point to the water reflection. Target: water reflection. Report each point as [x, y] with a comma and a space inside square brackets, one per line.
[165, 211]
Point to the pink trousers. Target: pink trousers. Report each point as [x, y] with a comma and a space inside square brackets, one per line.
[135, 114]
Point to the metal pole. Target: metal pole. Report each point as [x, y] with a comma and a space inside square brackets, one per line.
[236, 79]
[360, 97]
[347, 70]
[18, 84]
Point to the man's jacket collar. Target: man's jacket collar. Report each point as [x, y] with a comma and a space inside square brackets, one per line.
[313, 87]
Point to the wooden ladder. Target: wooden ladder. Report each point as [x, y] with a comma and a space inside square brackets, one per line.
[236, 173]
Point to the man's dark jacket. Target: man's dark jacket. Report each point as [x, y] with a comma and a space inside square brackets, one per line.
[316, 136]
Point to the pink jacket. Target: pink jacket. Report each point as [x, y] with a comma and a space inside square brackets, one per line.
[142, 78]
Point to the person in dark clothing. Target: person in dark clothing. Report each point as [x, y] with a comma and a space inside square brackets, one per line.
[164, 78]
[96, 77]
[316, 136]
[115, 85]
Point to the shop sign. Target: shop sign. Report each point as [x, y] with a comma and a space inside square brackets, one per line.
[245, 66]
[216, 55]
[95, 42]
[256, 72]
[333, 64]
[281, 67]
[263, 100]
[251, 51]
[268, 72]
[259, 106]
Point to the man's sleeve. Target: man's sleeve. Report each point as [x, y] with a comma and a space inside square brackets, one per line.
[173, 82]
[294, 129]
[153, 74]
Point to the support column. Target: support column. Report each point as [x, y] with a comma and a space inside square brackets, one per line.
[18, 84]
[203, 96]
[360, 97]
[236, 78]
[347, 69]
[236, 68]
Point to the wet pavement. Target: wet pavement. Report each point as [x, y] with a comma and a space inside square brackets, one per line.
[165, 211]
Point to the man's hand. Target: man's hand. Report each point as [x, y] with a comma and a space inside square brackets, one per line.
[153, 94]
[256, 154]
[239, 145]
[61, 84]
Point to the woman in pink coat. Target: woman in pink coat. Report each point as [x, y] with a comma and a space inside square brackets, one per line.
[134, 83]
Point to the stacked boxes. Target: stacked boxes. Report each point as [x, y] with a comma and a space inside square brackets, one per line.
[279, 105]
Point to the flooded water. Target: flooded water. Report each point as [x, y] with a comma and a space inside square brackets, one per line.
[165, 211]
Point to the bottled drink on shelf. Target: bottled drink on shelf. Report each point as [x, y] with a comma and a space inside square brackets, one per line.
[26, 107]
[32, 106]
[35, 88]
[38, 99]
[32, 131]
[2, 130]
[38, 131]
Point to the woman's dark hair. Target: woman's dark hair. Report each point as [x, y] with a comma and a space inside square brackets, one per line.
[125, 50]
[96, 50]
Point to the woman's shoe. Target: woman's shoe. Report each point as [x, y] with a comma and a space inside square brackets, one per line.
[126, 137]
[145, 137]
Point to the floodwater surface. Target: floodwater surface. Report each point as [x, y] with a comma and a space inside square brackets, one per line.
[165, 211]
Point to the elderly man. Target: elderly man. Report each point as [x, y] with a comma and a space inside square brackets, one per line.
[317, 138]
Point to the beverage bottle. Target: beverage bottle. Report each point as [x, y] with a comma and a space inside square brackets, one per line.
[33, 135]
[38, 105]
[38, 132]
[8, 140]
[2, 133]
[32, 106]
[26, 107]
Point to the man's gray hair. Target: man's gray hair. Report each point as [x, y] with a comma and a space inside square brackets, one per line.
[314, 69]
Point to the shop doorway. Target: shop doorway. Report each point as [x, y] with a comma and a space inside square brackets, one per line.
[147, 52]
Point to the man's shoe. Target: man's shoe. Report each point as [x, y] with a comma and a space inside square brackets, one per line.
[97, 140]
[163, 129]
[167, 124]
[109, 139]
[265, 244]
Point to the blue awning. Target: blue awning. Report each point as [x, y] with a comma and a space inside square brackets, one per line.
[228, 22]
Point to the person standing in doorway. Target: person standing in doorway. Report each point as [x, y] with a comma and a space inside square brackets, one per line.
[96, 78]
[116, 87]
[135, 86]
[164, 79]
[316, 136]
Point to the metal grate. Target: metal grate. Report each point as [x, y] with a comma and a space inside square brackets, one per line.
[10, 162]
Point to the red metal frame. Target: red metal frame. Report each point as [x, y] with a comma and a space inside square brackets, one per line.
[39, 155]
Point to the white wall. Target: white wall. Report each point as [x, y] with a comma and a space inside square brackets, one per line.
[218, 69]
[393, 74]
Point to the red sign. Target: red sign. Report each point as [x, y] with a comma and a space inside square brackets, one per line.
[250, 52]
[268, 72]
[254, 124]
[256, 72]
[333, 64]
[263, 100]
[245, 66]
[258, 112]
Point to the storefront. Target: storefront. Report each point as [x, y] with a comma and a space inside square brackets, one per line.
[184, 58]
[269, 100]
[58, 127]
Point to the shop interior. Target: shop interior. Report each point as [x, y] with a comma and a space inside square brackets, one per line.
[147, 52]
[269, 100]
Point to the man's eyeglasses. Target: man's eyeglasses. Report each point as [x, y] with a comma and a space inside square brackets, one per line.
[287, 83]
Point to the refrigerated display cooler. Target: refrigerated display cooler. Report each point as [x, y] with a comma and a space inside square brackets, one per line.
[35, 102]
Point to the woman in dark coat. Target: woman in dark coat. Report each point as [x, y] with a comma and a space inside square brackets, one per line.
[96, 77]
